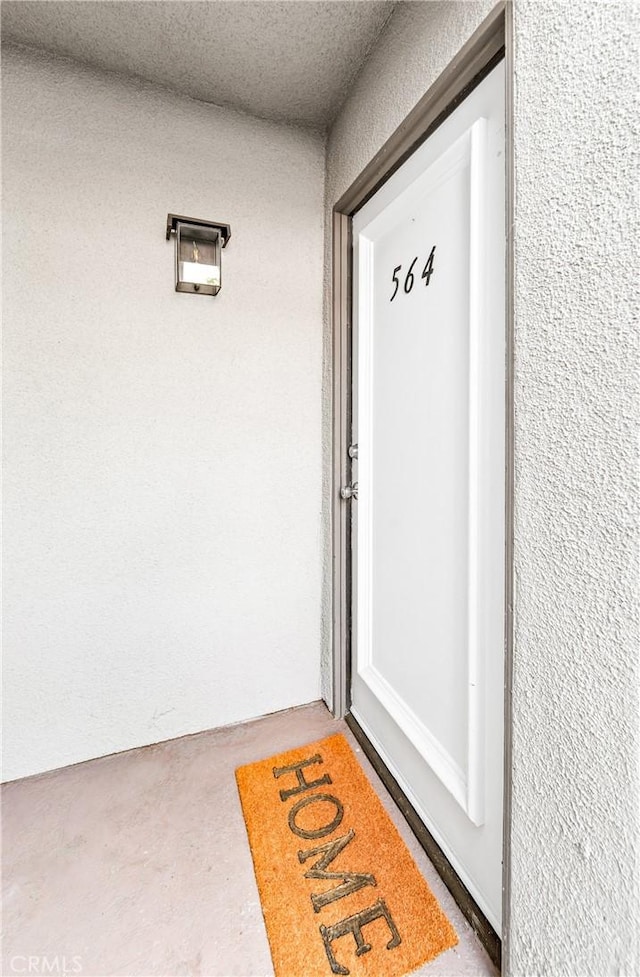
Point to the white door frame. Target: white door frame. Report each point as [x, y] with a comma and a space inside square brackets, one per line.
[491, 41]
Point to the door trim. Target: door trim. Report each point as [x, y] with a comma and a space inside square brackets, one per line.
[492, 41]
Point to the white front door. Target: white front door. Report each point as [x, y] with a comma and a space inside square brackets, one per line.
[428, 524]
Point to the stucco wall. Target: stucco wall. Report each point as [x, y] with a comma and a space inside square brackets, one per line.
[162, 451]
[574, 830]
[576, 676]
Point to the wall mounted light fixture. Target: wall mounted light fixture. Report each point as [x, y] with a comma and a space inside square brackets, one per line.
[199, 247]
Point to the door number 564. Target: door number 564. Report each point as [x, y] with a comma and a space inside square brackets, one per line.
[409, 280]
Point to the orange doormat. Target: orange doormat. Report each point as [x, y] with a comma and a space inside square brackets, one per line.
[340, 892]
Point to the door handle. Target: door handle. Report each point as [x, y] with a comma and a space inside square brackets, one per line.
[349, 492]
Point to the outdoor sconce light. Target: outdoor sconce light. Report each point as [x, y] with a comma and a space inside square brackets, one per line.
[199, 247]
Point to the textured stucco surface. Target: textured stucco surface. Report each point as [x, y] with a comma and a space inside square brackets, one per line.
[303, 54]
[575, 833]
[162, 451]
[413, 49]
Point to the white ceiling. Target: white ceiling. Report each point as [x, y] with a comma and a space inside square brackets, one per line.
[290, 61]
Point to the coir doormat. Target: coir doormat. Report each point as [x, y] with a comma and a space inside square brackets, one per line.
[340, 892]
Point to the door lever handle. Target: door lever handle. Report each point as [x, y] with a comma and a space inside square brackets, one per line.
[349, 492]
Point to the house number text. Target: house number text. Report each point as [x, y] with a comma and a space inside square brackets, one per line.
[409, 279]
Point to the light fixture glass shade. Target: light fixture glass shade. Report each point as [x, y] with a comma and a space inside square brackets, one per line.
[199, 274]
[198, 263]
[198, 257]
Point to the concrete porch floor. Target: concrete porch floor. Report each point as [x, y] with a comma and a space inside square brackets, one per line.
[138, 863]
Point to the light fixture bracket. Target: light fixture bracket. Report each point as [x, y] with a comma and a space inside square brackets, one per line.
[174, 219]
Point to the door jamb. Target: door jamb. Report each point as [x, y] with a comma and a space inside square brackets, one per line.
[491, 41]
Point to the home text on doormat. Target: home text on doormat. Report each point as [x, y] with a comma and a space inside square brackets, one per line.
[340, 891]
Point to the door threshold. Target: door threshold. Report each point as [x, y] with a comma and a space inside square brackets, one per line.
[467, 904]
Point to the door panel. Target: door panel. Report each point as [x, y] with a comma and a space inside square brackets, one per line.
[428, 525]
